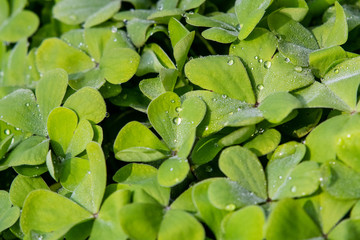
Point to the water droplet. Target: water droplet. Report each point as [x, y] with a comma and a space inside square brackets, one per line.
[125, 21]
[93, 59]
[289, 178]
[267, 64]
[17, 129]
[89, 172]
[30, 67]
[260, 60]
[177, 121]
[256, 57]
[7, 131]
[298, 69]
[178, 109]
[224, 96]
[166, 112]
[230, 62]
[177, 180]
[160, 7]
[192, 122]
[336, 71]
[107, 114]
[252, 68]
[321, 179]
[81, 44]
[113, 29]
[208, 169]
[230, 207]
[280, 177]
[27, 104]
[287, 60]
[175, 140]
[214, 99]
[171, 169]
[293, 189]
[260, 87]
[238, 27]
[261, 131]
[115, 39]
[206, 128]
[239, 109]
[172, 101]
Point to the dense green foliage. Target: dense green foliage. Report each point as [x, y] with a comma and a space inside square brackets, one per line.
[179, 119]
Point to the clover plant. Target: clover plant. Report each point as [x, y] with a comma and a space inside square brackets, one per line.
[179, 119]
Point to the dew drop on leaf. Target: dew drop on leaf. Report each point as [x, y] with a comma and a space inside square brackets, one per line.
[27, 104]
[113, 29]
[7, 131]
[230, 207]
[214, 99]
[267, 64]
[177, 121]
[260, 60]
[293, 189]
[171, 169]
[107, 114]
[256, 57]
[230, 62]
[224, 96]
[178, 109]
[260, 87]
[336, 71]
[172, 101]
[280, 177]
[298, 69]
